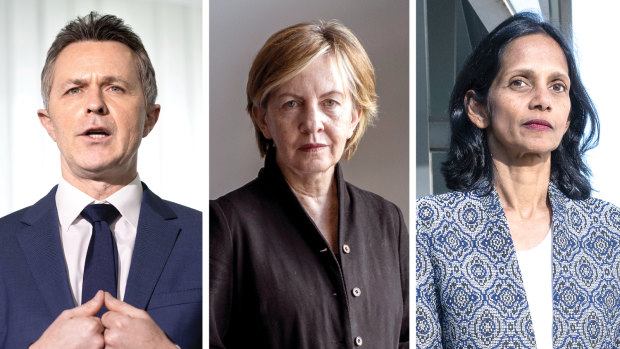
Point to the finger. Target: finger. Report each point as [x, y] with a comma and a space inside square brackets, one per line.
[116, 305]
[96, 325]
[89, 308]
[112, 338]
[111, 319]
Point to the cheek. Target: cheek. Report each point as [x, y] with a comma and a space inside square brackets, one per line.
[276, 130]
[60, 128]
[564, 110]
[131, 129]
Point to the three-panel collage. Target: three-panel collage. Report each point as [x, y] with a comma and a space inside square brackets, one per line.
[312, 174]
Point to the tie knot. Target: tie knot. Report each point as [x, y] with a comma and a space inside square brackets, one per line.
[100, 212]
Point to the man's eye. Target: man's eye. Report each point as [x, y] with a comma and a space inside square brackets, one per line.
[73, 91]
[116, 89]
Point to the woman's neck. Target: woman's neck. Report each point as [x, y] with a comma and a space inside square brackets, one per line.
[318, 195]
[523, 194]
[522, 188]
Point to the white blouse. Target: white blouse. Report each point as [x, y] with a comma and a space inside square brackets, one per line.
[535, 265]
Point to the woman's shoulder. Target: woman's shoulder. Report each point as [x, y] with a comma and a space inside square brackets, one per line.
[453, 199]
[370, 199]
[247, 195]
[466, 208]
[592, 205]
[589, 215]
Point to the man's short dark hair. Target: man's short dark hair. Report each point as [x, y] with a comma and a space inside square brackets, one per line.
[95, 27]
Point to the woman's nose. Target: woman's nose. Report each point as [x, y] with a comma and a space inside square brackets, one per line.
[311, 120]
[541, 99]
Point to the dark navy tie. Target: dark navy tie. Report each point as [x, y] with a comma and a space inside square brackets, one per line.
[100, 269]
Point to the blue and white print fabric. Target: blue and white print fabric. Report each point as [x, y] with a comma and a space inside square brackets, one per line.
[469, 291]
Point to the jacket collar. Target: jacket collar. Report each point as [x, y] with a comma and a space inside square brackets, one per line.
[158, 229]
[494, 210]
[272, 176]
[490, 200]
[40, 241]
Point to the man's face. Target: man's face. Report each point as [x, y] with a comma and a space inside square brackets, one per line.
[97, 113]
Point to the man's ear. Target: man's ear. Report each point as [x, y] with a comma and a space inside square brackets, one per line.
[46, 121]
[152, 115]
[258, 115]
[476, 111]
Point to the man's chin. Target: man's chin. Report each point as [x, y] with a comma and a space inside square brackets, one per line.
[107, 173]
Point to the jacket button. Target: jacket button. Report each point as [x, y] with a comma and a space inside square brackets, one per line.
[357, 292]
[346, 248]
[358, 341]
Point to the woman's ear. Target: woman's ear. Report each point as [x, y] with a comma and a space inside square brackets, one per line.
[356, 116]
[259, 114]
[476, 111]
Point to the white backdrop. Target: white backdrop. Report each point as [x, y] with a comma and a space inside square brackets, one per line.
[595, 36]
[172, 159]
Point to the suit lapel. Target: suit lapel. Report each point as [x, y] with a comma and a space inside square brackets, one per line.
[40, 241]
[158, 229]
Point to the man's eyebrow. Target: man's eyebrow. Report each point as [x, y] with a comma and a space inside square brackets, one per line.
[105, 79]
[73, 82]
[114, 79]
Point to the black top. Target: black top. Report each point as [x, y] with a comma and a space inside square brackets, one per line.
[275, 283]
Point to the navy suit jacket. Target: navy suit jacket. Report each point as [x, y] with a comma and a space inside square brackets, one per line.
[165, 276]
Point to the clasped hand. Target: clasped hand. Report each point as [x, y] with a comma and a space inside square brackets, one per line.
[123, 326]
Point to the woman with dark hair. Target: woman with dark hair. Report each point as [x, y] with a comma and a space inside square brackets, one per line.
[519, 255]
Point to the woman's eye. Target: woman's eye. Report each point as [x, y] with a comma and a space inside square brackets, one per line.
[290, 104]
[558, 87]
[329, 103]
[517, 83]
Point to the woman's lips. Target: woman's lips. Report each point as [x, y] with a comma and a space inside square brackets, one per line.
[538, 124]
[312, 147]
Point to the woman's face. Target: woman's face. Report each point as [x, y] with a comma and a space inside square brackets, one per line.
[529, 101]
[309, 118]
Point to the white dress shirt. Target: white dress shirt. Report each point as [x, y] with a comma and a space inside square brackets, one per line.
[535, 265]
[75, 231]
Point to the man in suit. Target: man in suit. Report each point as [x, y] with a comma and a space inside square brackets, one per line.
[100, 261]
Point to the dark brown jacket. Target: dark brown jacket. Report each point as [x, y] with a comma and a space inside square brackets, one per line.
[275, 283]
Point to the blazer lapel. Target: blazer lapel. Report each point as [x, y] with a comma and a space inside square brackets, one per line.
[40, 241]
[157, 233]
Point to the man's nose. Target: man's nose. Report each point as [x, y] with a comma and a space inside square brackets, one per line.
[95, 103]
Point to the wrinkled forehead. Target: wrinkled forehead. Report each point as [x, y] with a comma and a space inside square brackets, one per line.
[106, 58]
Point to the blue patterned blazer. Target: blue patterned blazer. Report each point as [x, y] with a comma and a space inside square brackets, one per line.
[469, 290]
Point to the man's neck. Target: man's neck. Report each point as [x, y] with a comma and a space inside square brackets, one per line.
[96, 188]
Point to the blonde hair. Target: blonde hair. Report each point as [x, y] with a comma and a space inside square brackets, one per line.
[290, 50]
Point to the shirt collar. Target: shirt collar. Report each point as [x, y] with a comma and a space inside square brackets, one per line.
[70, 202]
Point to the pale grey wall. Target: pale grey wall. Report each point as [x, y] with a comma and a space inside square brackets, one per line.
[237, 30]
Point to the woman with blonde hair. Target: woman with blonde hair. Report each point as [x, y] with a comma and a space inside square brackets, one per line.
[299, 258]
